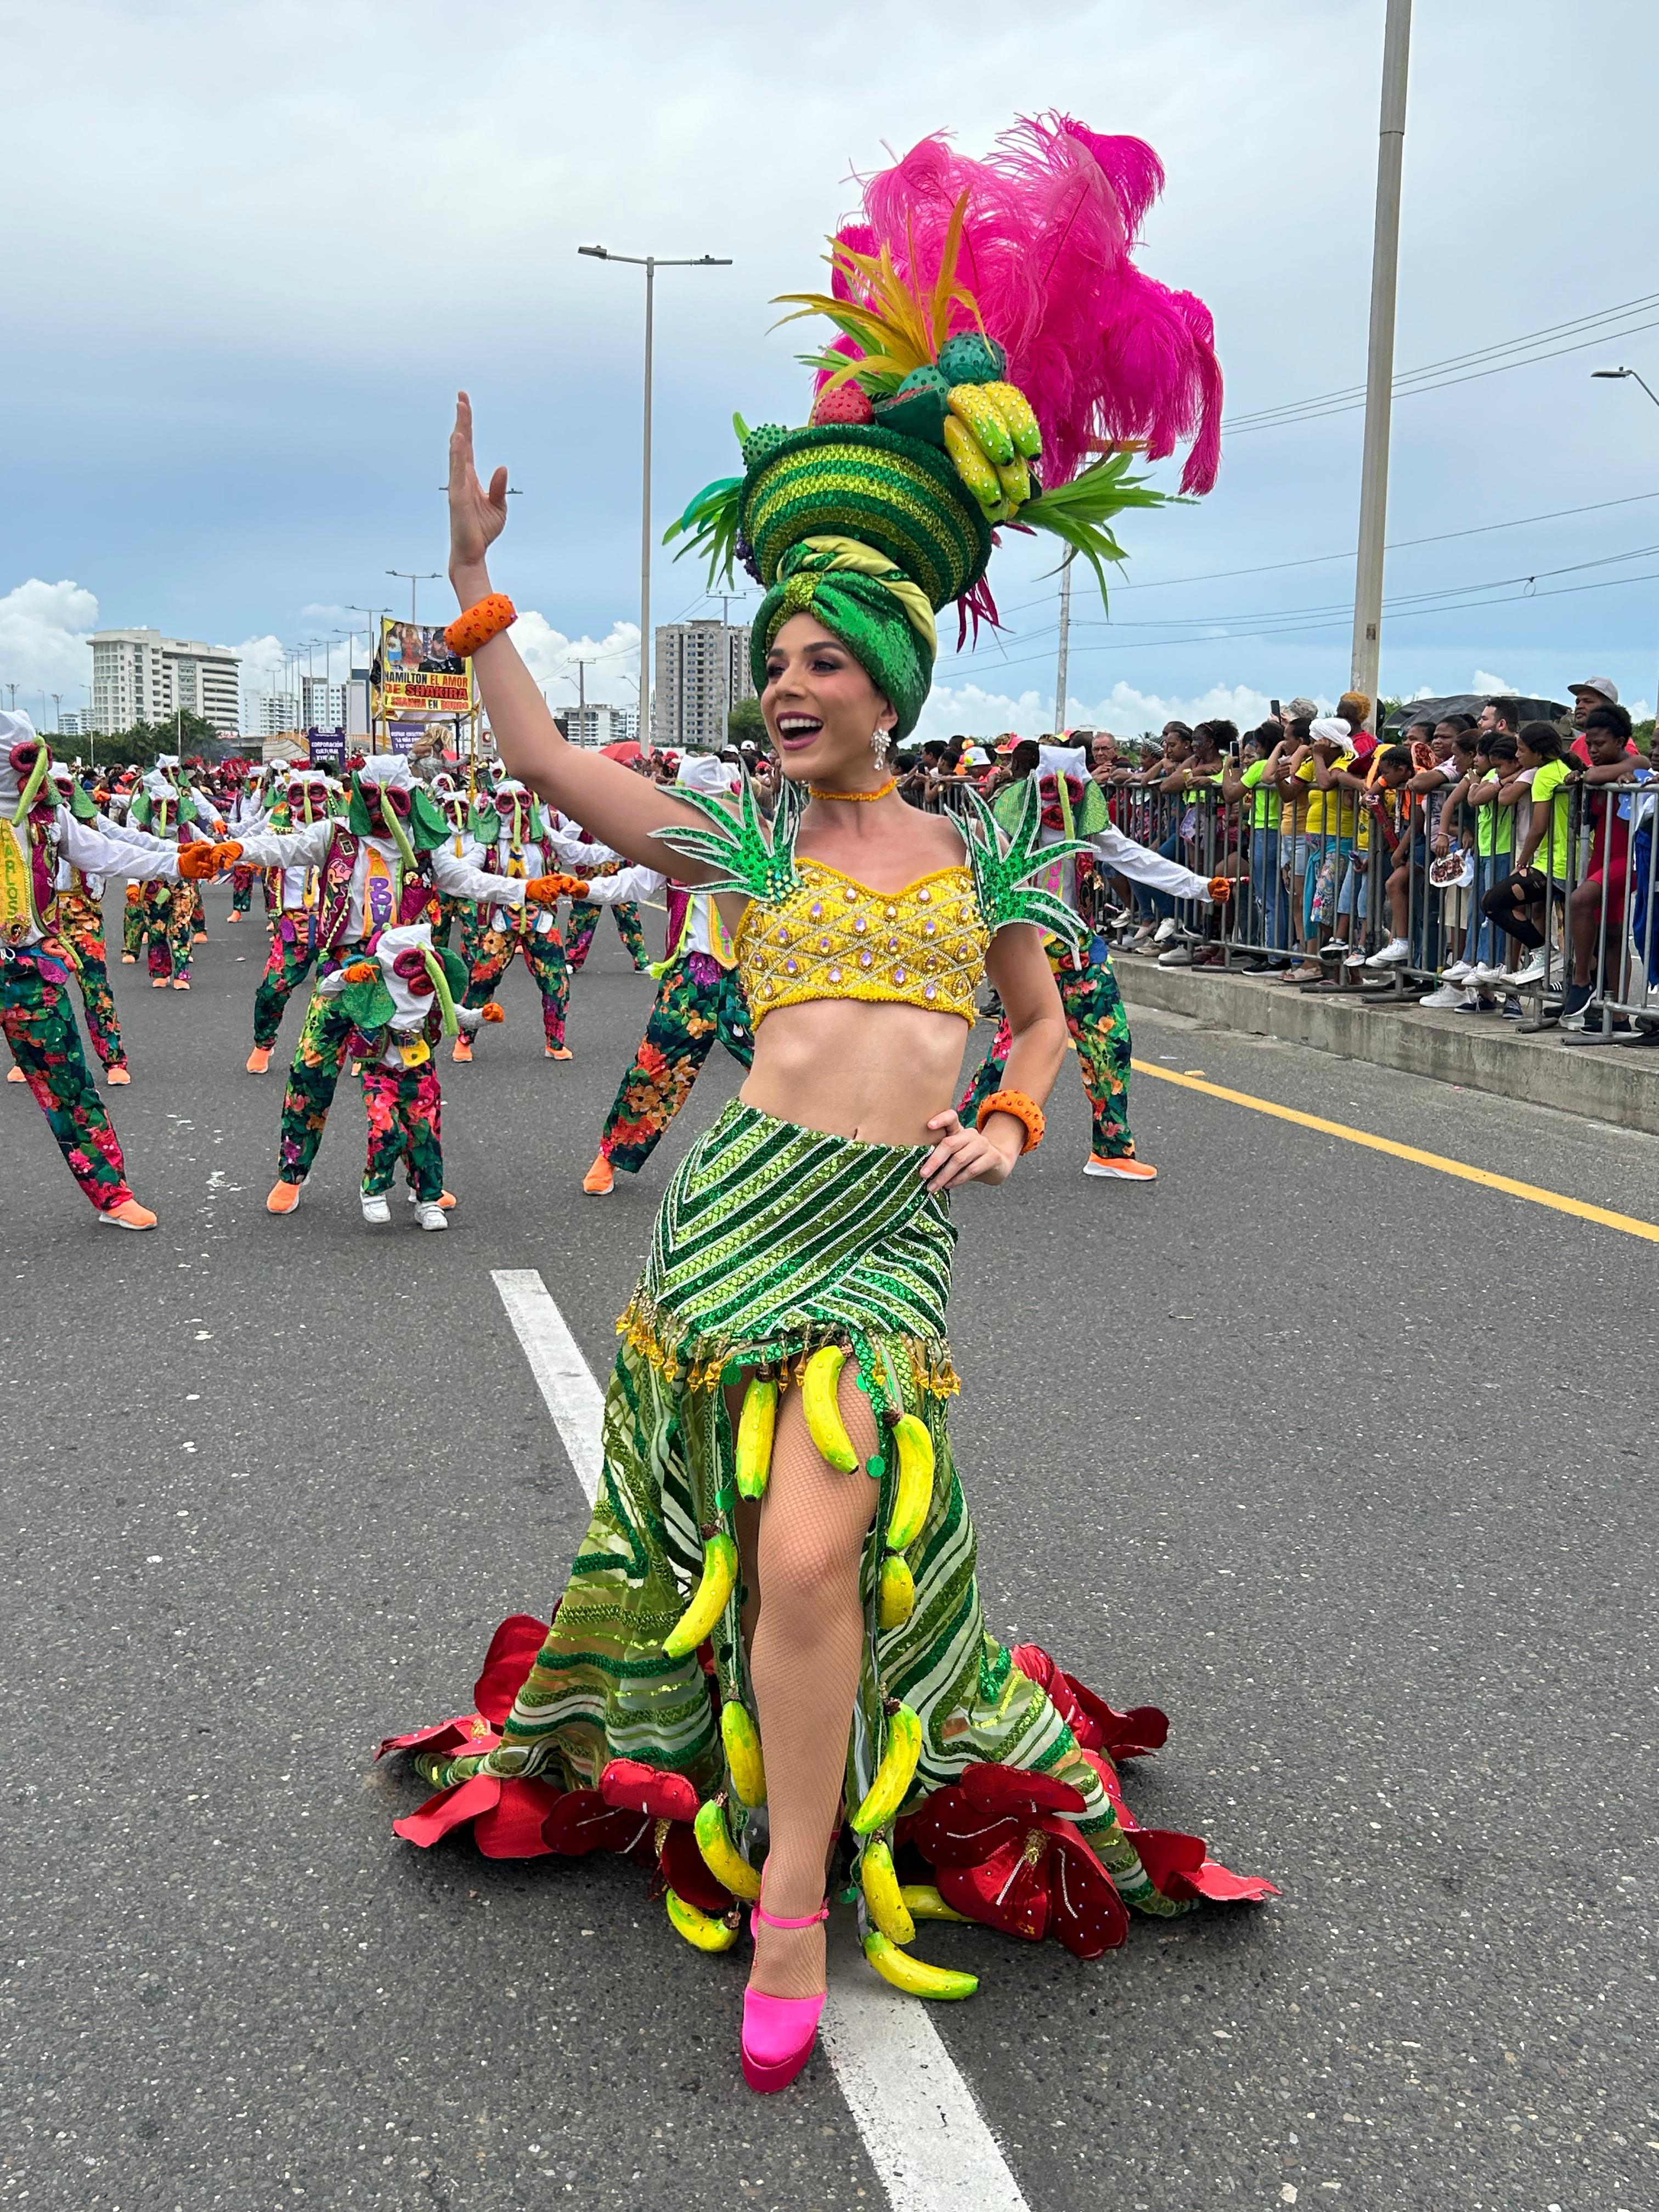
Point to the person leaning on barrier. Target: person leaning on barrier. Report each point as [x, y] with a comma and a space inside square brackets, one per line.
[1519, 903]
[1595, 907]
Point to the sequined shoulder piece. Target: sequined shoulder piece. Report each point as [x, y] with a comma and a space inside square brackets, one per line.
[1005, 861]
[758, 856]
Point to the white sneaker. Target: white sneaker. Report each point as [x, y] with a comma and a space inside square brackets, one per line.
[1178, 955]
[1459, 972]
[1489, 971]
[1395, 954]
[1165, 930]
[1534, 972]
[430, 1216]
[1355, 961]
[375, 1208]
[1447, 995]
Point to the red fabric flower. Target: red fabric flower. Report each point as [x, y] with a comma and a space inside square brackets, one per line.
[1096, 1725]
[508, 1813]
[1003, 1854]
[645, 1813]
[1179, 1865]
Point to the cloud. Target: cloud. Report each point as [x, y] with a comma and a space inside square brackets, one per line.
[551, 658]
[262, 660]
[1496, 685]
[1125, 710]
[45, 636]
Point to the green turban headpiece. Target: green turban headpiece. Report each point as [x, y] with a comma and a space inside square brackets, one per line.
[878, 613]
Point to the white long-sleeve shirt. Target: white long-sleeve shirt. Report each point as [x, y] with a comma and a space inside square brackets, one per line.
[308, 847]
[1143, 866]
[98, 850]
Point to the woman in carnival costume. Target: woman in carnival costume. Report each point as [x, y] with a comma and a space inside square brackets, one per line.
[775, 1443]
[511, 839]
[74, 919]
[167, 806]
[1073, 808]
[38, 834]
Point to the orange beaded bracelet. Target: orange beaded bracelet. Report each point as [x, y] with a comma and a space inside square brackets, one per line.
[1023, 1109]
[479, 623]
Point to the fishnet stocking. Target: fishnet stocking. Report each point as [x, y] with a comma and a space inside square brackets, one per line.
[805, 1629]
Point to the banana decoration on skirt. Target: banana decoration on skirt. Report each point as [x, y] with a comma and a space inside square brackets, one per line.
[823, 1422]
[708, 1601]
[721, 1856]
[756, 1425]
[895, 1774]
[743, 1760]
[915, 1976]
[883, 1895]
[700, 1929]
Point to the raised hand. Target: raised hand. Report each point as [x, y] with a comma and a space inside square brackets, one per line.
[476, 517]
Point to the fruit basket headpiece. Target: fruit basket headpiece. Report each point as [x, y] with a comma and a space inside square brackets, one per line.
[999, 361]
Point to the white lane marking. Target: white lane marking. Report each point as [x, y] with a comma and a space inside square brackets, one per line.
[562, 1376]
[929, 2141]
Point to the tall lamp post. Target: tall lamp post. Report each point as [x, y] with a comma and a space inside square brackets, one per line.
[1366, 663]
[1631, 376]
[415, 578]
[650, 263]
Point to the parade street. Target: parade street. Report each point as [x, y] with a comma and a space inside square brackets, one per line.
[1295, 1443]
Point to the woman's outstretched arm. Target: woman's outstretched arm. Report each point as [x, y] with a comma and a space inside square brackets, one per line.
[603, 796]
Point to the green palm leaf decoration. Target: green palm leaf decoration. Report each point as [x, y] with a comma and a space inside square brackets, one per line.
[1004, 861]
[758, 856]
[1079, 514]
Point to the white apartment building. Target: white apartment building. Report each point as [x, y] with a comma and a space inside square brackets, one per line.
[702, 672]
[139, 676]
[322, 704]
[274, 712]
[596, 724]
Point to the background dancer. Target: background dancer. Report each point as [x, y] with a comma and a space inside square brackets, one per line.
[291, 908]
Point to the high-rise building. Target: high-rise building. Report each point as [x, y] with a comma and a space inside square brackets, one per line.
[139, 676]
[702, 672]
[322, 704]
[274, 712]
[69, 724]
[596, 724]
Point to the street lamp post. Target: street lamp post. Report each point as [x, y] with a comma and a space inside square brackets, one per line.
[1630, 375]
[650, 263]
[1366, 662]
[415, 578]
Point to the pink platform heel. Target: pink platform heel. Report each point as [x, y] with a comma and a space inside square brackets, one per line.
[779, 2033]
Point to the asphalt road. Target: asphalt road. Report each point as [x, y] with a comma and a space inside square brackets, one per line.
[1344, 1462]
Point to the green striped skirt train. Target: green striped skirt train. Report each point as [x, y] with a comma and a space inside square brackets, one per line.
[772, 1242]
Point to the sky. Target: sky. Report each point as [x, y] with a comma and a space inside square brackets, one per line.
[252, 249]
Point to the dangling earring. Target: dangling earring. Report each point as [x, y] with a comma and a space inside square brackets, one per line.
[878, 747]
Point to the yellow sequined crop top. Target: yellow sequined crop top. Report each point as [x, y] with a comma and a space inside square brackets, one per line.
[810, 932]
[831, 937]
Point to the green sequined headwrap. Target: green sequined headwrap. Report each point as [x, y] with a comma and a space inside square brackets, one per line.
[875, 610]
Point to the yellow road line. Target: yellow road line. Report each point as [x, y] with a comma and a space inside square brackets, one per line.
[1627, 1221]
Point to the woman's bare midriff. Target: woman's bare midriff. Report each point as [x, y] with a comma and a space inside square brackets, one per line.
[854, 1069]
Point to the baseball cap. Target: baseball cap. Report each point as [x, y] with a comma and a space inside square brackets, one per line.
[1602, 684]
[1300, 710]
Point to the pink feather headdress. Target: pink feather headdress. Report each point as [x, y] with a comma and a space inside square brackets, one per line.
[1107, 355]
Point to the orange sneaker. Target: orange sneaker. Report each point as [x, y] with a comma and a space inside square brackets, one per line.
[446, 1199]
[259, 1059]
[233, 916]
[200, 936]
[463, 1048]
[1124, 1170]
[129, 959]
[557, 1052]
[601, 1178]
[15, 1075]
[181, 983]
[131, 1215]
[158, 982]
[118, 1073]
[284, 1197]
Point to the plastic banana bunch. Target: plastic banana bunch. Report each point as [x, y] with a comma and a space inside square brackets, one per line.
[989, 430]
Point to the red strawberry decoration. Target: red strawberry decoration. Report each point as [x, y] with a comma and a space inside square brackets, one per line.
[841, 403]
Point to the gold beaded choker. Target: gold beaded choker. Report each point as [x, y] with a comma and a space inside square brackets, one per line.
[852, 797]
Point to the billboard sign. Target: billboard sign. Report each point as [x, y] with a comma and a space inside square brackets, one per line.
[416, 675]
[327, 748]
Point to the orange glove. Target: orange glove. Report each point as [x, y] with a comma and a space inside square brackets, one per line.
[362, 971]
[1221, 888]
[134, 894]
[548, 890]
[492, 1012]
[227, 854]
[196, 862]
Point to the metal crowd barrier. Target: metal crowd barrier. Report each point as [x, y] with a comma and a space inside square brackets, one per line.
[1321, 899]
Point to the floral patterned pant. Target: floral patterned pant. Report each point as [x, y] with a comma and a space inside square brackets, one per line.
[311, 1084]
[77, 923]
[165, 913]
[287, 966]
[700, 1004]
[241, 889]
[405, 1122]
[493, 953]
[1100, 1028]
[585, 920]
[39, 1023]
